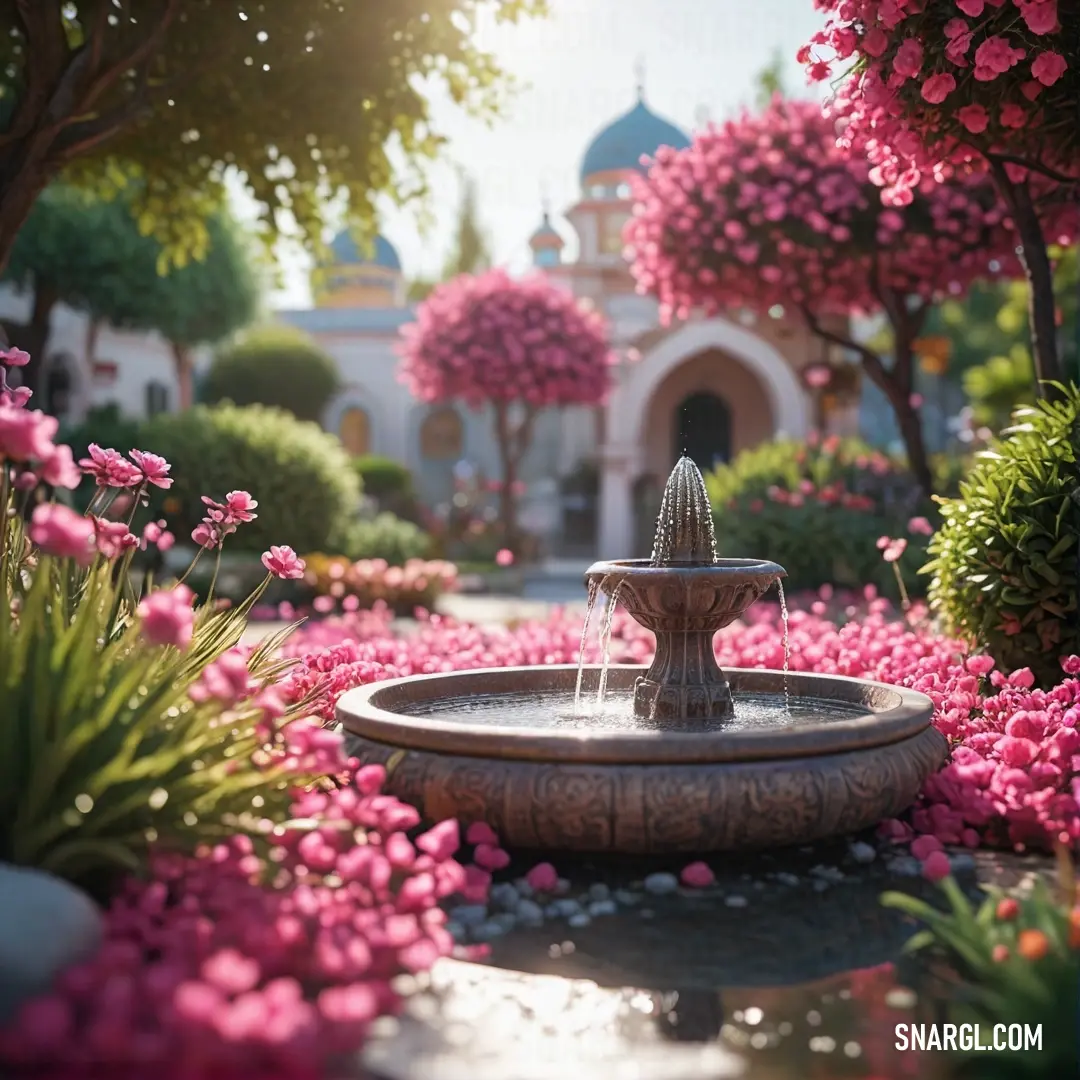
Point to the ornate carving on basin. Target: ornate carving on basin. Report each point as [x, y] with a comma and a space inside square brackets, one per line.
[645, 792]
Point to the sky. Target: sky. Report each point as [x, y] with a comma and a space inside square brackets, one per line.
[577, 71]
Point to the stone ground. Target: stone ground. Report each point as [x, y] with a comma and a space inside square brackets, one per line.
[749, 978]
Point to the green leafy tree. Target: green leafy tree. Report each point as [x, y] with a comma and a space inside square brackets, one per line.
[300, 97]
[198, 303]
[990, 343]
[770, 81]
[274, 365]
[89, 253]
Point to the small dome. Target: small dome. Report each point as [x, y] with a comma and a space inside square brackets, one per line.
[622, 143]
[547, 235]
[347, 253]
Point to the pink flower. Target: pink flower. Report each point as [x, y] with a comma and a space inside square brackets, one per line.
[937, 88]
[59, 530]
[894, 549]
[156, 533]
[543, 877]
[16, 398]
[697, 875]
[980, 665]
[504, 557]
[109, 468]
[154, 468]
[112, 538]
[974, 8]
[59, 469]
[920, 527]
[14, 357]
[1041, 16]
[283, 562]
[240, 505]
[924, 846]
[1013, 116]
[936, 867]
[909, 58]
[1048, 67]
[994, 57]
[26, 435]
[480, 832]
[974, 118]
[205, 535]
[168, 617]
[491, 858]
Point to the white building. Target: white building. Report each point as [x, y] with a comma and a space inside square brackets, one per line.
[710, 386]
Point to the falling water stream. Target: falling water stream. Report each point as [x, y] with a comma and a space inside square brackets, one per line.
[594, 592]
[787, 646]
[605, 644]
[684, 534]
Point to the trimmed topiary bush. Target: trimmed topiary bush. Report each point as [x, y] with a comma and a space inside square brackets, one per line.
[388, 537]
[383, 477]
[299, 474]
[273, 365]
[1004, 564]
[840, 494]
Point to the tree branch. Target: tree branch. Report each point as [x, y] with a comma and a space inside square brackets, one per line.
[873, 364]
[45, 46]
[1043, 170]
[134, 59]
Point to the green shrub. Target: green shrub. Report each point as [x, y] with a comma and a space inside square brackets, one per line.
[1004, 563]
[382, 477]
[385, 537]
[273, 365]
[299, 474]
[817, 509]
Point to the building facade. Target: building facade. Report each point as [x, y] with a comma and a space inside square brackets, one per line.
[709, 387]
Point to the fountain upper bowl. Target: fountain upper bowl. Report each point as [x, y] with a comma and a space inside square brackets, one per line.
[679, 596]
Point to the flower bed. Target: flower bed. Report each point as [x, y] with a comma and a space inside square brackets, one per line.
[418, 583]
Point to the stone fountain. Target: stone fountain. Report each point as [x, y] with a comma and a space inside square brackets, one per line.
[681, 757]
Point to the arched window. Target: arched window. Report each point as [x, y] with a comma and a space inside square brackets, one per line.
[442, 435]
[355, 431]
[702, 429]
[157, 398]
[59, 384]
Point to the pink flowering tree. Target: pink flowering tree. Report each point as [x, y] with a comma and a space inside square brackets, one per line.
[944, 86]
[768, 210]
[516, 345]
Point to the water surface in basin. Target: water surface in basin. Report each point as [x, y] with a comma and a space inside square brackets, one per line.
[555, 709]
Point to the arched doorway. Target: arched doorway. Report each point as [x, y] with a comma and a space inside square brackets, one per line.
[701, 429]
[354, 431]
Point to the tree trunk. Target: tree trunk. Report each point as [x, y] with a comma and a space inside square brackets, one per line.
[513, 442]
[1035, 260]
[33, 337]
[184, 375]
[897, 386]
[508, 461]
[897, 382]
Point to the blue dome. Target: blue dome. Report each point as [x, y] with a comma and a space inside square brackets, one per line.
[347, 253]
[621, 144]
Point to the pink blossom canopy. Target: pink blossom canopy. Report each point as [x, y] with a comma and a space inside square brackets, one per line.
[493, 338]
[768, 209]
[939, 82]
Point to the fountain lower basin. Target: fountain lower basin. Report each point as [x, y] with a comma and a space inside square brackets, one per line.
[850, 754]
